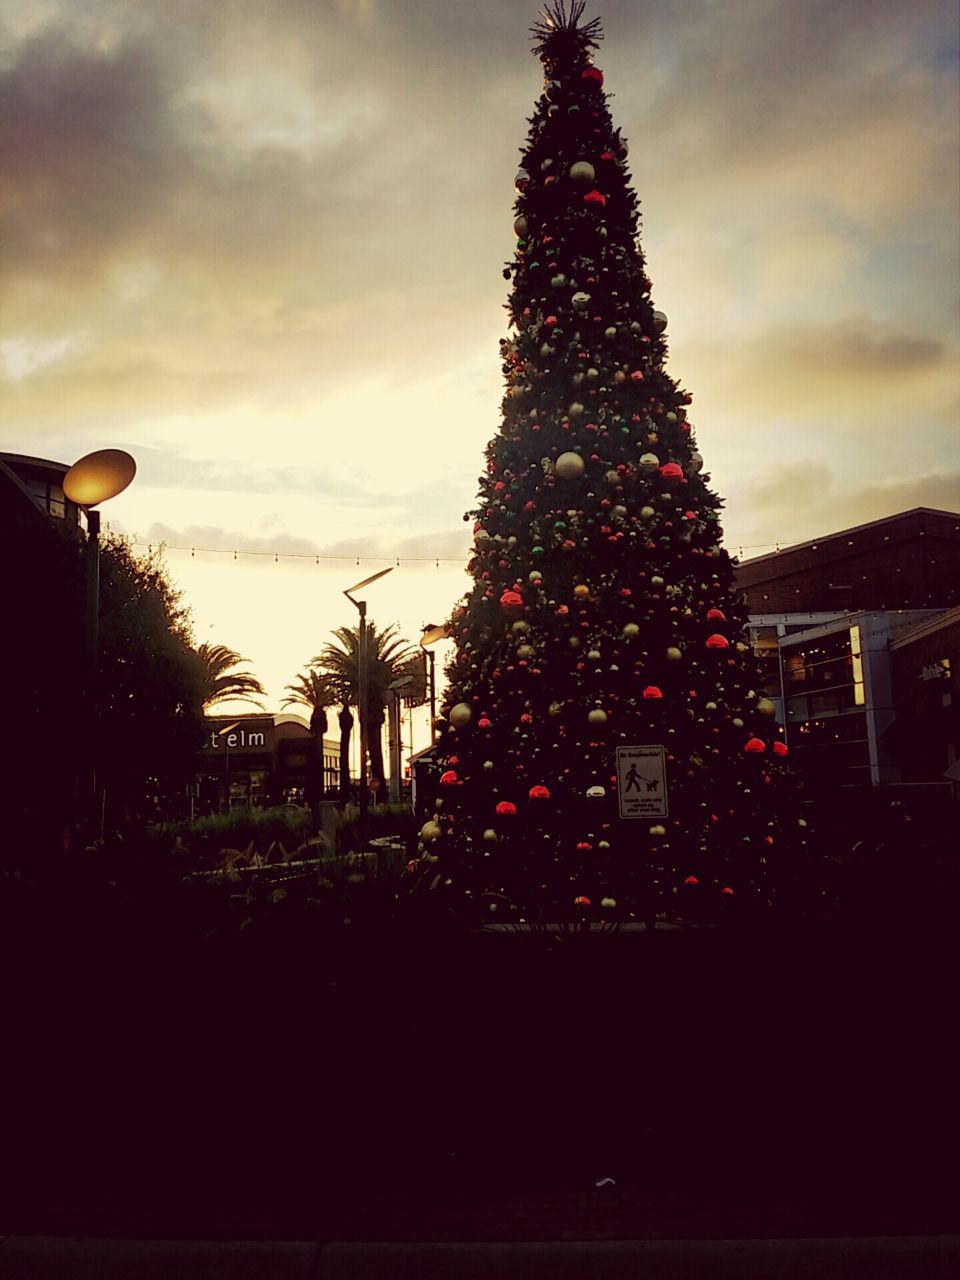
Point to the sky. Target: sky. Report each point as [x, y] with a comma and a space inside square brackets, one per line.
[259, 245]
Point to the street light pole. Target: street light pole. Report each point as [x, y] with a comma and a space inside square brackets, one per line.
[431, 634]
[92, 480]
[363, 692]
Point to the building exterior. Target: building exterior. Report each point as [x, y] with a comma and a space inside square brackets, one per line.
[862, 668]
[258, 760]
[906, 561]
[43, 649]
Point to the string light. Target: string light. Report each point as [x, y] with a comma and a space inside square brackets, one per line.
[355, 556]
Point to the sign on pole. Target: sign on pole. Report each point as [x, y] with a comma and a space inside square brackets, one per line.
[642, 782]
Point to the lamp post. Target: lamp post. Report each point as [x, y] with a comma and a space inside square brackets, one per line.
[431, 634]
[93, 479]
[226, 743]
[362, 682]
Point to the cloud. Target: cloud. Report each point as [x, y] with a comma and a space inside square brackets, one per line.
[794, 503]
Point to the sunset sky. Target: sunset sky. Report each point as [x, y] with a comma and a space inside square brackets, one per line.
[258, 244]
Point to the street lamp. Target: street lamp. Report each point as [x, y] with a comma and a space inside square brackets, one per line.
[226, 743]
[361, 606]
[431, 634]
[95, 478]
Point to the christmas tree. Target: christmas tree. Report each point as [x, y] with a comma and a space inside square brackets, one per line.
[602, 615]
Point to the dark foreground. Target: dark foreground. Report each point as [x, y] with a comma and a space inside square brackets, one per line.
[404, 1088]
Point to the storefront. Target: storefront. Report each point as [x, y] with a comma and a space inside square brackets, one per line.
[257, 761]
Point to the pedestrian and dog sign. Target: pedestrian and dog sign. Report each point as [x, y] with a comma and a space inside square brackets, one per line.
[642, 782]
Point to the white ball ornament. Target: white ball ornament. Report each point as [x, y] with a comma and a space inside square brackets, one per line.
[659, 321]
[630, 630]
[575, 410]
[610, 333]
[581, 300]
[520, 627]
[674, 654]
[570, 466]
[520, 227]
[595, 793]
[558, 281]
[430, 831]
[737, 722]
[766, 707]
[647, 513]
[525, 651]
[649, 462]
[658, 830]
[490, 835]
[597, 716]
[608, 903]
[582, 173]
[535, 577]
[461, 715]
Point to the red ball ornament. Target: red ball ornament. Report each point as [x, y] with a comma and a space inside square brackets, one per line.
[551, 321]
[691, 880]
[593, 75]
[780, 749]
[728, 891]
[505, 809]
[483, 722]
[582, 901]
[539, 793]
[449, 779]
[755, 745]
[511, 600]
[716, 615]
[651, 691]
[717, 642]
[671, 471]
[596, 198]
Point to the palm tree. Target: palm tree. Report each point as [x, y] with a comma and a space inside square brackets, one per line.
[221, 683]
[314, 690]
[386, 654]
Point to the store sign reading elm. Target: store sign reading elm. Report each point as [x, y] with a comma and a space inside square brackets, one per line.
[248, 735]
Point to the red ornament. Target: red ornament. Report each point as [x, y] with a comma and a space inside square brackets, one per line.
[636, 376]
[780, 749]
[483, 722]
[595, 198]
[755, 746]
[550, 321]
[671, 471]
[449, 779]
[511, 600]
[594, 75]
[728, 891]
[539, 793]
[582, 901]
[716, 615]
[717, 642]
[651, 691]
[691, 880]
[506, 809]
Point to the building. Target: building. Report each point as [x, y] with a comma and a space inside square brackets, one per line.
[258, 760]
[906, 561]
[43, 650]
[860, 666]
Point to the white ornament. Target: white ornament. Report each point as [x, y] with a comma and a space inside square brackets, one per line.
[520, 227]
[521, 180]
[570, 466]
[430, 831]
[575, 410]
[630, 630]
[649, 462]
[597, 716]
[461, 715]
[582, 173]
[581, 300]
[595, 793]
[659, 321]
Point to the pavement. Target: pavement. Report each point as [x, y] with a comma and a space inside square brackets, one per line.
[887, 1258]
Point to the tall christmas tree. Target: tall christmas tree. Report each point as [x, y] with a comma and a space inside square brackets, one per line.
[606, 754]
